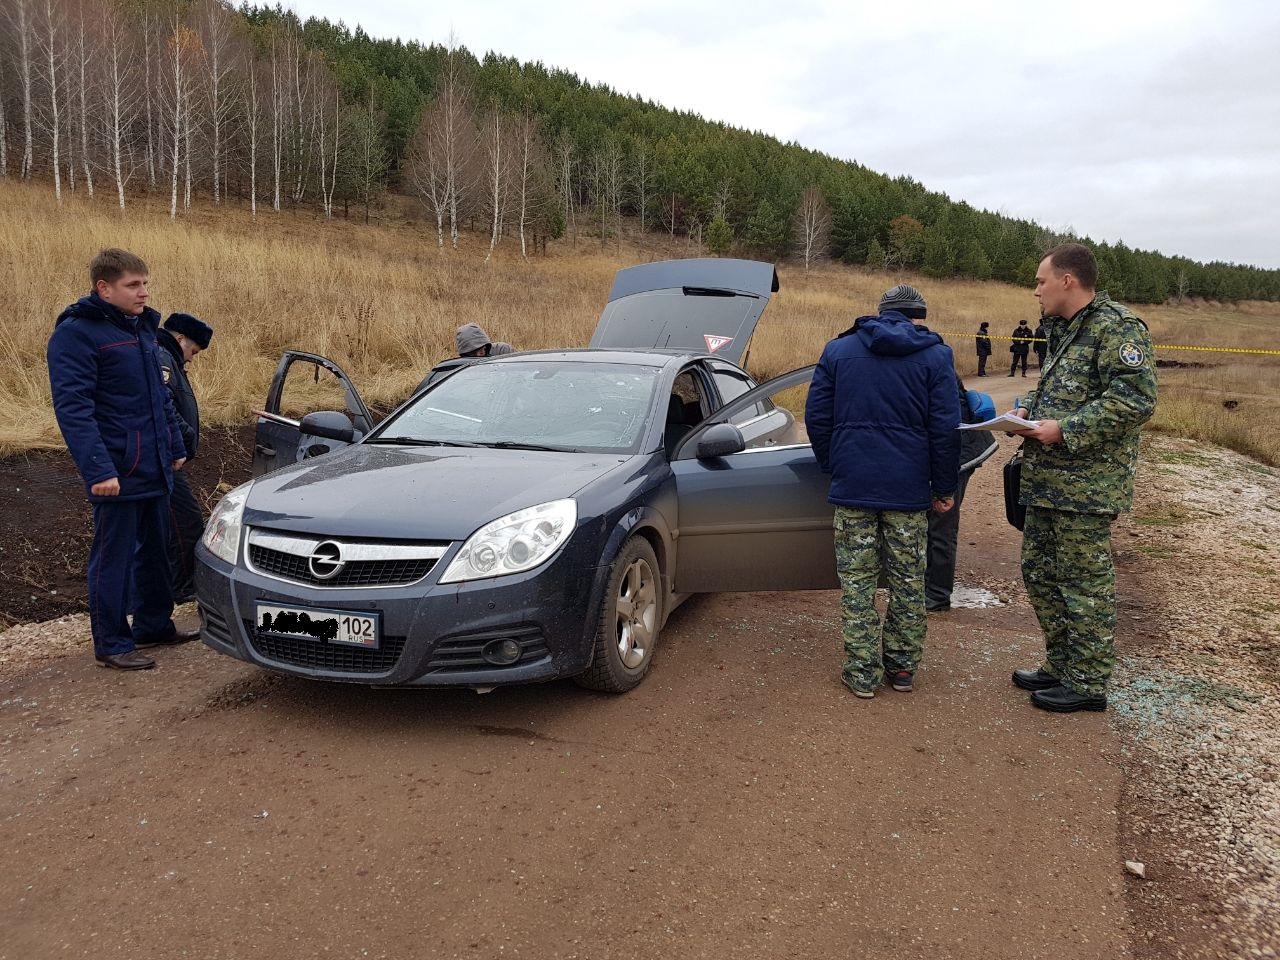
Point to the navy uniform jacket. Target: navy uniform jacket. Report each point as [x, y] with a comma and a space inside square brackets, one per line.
[109, 397]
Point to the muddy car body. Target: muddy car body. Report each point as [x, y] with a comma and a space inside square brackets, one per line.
[527, 517]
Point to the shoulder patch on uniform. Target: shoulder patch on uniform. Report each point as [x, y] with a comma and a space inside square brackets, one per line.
[1131, 354]
[164, 371]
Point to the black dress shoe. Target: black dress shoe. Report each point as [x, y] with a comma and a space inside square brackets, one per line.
[938, 606]
[133, 660]
[1035, 679]
[172, 640]
[1062, 699]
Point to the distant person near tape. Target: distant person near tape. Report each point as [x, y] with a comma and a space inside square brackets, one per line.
[1096, 391]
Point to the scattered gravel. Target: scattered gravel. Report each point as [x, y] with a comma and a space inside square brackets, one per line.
[1196, 694]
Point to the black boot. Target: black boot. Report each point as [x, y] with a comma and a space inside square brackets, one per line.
[1062, 699]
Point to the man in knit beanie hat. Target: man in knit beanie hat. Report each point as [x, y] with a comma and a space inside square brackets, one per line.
[882, 413]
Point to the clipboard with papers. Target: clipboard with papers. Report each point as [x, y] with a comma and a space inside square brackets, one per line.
[1006, 421]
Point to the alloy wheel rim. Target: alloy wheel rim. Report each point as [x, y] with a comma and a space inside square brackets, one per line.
[637, 606]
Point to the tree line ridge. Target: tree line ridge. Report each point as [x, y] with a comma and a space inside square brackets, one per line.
[252, 105]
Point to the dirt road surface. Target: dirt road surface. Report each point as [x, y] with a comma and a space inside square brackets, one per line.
[740, 803]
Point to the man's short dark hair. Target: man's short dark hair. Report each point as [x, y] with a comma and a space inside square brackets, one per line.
[113, 263]
[1077, 260]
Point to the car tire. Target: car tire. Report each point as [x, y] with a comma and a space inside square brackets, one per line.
[630, 617]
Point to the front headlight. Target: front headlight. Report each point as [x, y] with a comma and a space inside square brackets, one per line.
[222, 532]
[514, 543]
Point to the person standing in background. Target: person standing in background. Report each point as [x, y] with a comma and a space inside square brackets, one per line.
[984, 347]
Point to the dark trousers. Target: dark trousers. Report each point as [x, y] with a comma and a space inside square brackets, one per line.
[129, 571]
[944, 535]
[1014, 367]
[186, 523]
[1039, 359]
[982, 364]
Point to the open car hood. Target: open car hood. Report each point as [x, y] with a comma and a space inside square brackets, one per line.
[702, 305]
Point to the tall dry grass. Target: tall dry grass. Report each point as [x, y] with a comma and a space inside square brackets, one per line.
[384, 303]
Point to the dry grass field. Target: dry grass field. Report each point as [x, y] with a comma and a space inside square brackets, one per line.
[383, 302]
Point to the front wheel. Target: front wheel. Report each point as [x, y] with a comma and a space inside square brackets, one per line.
[630, 615]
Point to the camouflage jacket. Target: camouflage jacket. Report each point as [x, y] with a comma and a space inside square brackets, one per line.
[1099, 383]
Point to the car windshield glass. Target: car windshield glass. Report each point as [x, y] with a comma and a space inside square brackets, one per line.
[552, 404]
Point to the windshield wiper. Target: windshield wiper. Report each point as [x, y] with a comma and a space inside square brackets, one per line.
[518, 445]
[420, 442]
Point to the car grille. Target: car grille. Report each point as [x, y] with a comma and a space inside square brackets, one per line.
[356, 573]
[299, 652]
[459, 654]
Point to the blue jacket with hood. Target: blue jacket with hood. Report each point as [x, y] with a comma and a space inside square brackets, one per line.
[112, 406]
[882, 414]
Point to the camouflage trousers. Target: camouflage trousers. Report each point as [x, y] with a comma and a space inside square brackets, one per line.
[1067, 569]
[869, 543]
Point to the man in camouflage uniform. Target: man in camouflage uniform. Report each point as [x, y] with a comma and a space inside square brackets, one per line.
[882, 413]
[1097, 389]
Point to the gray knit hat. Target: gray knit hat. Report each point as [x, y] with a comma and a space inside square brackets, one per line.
[902, 298]
[471, 336]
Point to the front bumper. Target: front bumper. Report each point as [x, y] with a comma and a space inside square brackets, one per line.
[431, 634]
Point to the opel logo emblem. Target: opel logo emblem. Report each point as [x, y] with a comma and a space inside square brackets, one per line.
[325, 561]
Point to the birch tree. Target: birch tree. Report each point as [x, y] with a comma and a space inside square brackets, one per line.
[530, 167]
[179, 50]
[497, 161]
[252, 110]
[19, 14]
[217, 36]
[83, 55]
[52, 59]
[327, 187]
[120, 99]
[813, 225]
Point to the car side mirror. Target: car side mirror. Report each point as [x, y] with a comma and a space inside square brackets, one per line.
[720, 440]
[330, 424]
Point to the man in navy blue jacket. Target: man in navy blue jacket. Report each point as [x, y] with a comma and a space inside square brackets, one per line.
[122, 430]
[882, 414]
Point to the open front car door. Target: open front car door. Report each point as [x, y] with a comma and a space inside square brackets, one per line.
[753, 502]
[312, 408]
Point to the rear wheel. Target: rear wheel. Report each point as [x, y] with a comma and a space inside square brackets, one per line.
[630, 616]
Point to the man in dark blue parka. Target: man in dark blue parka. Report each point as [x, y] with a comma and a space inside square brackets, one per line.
[122, 430]
[882, 414]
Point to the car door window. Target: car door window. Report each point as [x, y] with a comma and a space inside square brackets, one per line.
[770, 416]
[733, 383]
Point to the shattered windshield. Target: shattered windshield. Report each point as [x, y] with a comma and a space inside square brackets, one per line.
[552, 404]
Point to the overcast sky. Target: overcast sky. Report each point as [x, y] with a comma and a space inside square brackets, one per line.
[1155, 123]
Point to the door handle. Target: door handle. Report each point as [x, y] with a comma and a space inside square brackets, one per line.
[265, 451]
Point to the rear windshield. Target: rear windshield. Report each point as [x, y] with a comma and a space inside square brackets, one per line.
[589, 407]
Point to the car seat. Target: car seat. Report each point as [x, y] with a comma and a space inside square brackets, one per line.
[677, 427]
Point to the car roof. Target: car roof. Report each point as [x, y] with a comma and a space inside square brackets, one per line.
[649, 357]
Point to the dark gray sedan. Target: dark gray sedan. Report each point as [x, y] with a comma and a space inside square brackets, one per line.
[527, 517]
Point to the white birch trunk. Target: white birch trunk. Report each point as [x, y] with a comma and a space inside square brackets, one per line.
[147, 34]
[50, 42]
[497, 158]
[24, 27]
[84, 111]
[277, 125]
[251, 107]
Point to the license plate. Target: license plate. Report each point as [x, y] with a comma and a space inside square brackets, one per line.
[323, 626]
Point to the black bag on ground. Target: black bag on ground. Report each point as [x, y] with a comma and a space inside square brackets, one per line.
[1014, 512]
